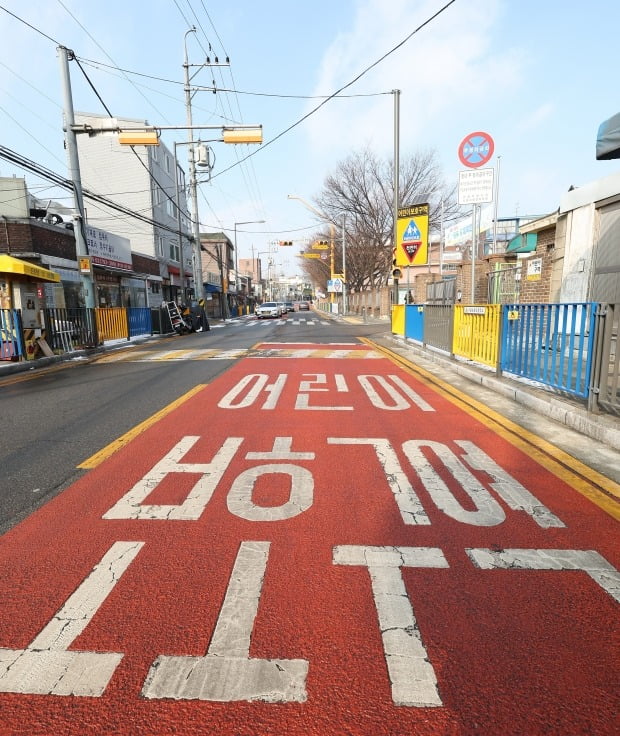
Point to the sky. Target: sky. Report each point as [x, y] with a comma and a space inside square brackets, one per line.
[537, 76]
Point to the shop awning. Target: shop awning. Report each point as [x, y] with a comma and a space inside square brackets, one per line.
[525, 243]
[8, 264]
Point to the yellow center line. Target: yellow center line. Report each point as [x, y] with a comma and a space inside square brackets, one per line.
[599, 489]
[94, 460]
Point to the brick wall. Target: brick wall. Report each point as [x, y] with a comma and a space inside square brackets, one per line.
[144, 264]
[535, 286]
[37, 237]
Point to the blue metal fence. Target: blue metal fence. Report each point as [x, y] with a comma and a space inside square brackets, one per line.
[140, 321]
[414, 322]
[550, 343]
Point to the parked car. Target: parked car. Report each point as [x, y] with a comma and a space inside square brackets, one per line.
[290, 307]
[268, 309]
[283, 309]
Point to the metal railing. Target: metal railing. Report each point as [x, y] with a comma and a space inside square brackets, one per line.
[605, 390]
[140, 321]
[476, 332]
[414, 322]
[438, 326]
[112, 323]
[11, 335]
[69, 329]
[570, 348]
[550, 343]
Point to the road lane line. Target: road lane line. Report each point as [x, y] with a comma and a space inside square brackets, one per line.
[94, 460]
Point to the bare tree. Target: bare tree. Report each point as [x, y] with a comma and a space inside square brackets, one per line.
[361, 190]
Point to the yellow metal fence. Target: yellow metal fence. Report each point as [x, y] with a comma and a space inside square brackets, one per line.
[111, 323]
[476, 332]
[398, 319]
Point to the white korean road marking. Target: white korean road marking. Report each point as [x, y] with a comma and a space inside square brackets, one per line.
[399, 402]
[411, 674]
[488, 512]
[250, 388]
[227, 673]
[46, 666]
[410, 507]
[131, 506]
[589, 561]
[301, 495]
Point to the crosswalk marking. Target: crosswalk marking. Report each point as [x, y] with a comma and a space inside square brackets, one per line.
[163, 356]
[249, 323]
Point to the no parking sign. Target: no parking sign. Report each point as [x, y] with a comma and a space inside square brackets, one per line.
[476, 149]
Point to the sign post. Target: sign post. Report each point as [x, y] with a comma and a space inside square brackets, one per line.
[475, 150]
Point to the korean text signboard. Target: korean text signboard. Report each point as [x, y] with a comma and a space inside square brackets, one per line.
[412, 236]
[475, 187]
[107, 249]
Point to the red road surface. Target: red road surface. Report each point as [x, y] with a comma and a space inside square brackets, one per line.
[335, 548]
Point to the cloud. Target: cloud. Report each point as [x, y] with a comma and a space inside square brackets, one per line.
[446, 71]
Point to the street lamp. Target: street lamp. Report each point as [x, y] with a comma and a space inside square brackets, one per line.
[323, 216]
[245, 222]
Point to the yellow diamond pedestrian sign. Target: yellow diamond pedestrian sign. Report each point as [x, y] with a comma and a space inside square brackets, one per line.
[412, 236]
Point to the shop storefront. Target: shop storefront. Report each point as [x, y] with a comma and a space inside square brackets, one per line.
[22, 287]
[22, 291]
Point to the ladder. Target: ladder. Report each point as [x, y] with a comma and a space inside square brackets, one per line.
[176, 318]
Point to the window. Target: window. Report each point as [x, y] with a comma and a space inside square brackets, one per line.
[174, 250]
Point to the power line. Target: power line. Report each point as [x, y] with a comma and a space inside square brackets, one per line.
[346, 86]
[199, 88]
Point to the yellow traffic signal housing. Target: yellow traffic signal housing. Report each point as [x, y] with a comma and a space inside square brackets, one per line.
[138, 138]
[397, 273]
[243, 135]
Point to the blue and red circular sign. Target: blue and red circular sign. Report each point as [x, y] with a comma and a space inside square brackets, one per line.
[476, 149]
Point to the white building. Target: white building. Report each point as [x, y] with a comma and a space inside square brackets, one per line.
[588, 238]
[141, 179]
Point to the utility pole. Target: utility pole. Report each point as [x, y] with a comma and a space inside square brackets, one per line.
[344, 264]
[196, 255]
[396, 93]
[79, 229]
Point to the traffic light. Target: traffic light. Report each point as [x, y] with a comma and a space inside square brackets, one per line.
[396, 272]
[286, 242]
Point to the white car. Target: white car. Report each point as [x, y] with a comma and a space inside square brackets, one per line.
[268, 309]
